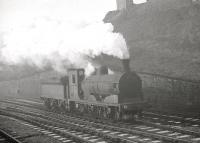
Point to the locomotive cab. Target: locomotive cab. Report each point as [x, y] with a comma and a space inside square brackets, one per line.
[76, 76]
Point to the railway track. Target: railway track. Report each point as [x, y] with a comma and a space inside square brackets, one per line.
[176, 119]
[138, 133]
[152, 130]
[146, 132]
[191, 124]
[56, 130]
[23, 104]
[7, 138]
[78, 129]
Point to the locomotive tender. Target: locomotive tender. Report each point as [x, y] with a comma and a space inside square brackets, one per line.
[115, 96]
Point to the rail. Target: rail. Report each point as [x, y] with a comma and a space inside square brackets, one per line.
[6, 137]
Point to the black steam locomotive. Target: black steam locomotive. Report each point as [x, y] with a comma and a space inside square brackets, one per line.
[115, 96]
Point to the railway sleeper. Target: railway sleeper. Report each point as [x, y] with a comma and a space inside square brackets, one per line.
[86, 129]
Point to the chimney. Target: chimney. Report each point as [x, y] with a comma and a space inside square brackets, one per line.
[126, 65]
[124, 4]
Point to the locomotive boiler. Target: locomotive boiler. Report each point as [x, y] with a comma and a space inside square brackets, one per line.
[116, 96]
[115, 88]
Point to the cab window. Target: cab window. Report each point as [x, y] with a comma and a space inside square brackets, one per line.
[73, 78]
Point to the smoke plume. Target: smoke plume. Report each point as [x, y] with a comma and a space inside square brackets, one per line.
[60, 33]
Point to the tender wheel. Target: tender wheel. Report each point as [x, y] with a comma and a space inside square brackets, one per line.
[47, 103]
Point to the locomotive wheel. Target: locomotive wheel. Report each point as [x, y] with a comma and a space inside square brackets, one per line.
[67, 108]
[63, 107]
[105, 113]
[47, 103]
[96, 111]
[54, 106]
[140, 113]
[80, 108]
[117, 115]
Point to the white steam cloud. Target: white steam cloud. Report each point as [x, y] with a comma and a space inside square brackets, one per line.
[60, 33]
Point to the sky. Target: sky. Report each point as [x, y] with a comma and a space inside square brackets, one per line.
[139, 1]
[24, 10]
[17, 10]
[58, 32]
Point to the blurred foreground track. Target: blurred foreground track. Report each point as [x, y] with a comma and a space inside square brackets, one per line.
[6, 138]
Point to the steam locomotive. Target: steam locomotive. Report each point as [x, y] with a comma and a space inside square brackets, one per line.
[113, 96]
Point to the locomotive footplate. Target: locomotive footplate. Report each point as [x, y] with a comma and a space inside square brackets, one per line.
[137, 106]
[115, 111]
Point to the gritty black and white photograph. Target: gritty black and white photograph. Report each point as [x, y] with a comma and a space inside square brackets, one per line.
[99, 71]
